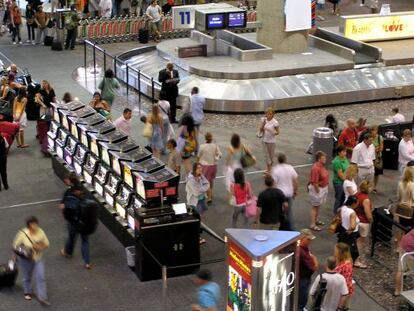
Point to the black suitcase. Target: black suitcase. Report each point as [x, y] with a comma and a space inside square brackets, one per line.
[8, 274]
[48, 41]
[57, 46]
[143, 35]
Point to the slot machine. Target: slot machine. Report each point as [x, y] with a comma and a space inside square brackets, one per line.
[93, 121]
[151, 187]
[89, 167]
[69, 151]
[57, 107]
[86, 117]
[123, 200]
[114, 136]
[60, 142]
[149, 165]
[79, 158]
[122, 146]
[83, 112]
[52, 134]
[100, 178]
[111, 188]
[135, 155]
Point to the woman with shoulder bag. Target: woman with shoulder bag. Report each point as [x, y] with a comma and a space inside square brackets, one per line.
[404, 212]
[241, 192]
[187, 142]
[378, 142]
[157, 123]
[268, 132]
[32, 237]
[348, 232]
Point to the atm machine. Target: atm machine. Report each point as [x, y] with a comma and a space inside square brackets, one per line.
[110, 137]
[121, 146]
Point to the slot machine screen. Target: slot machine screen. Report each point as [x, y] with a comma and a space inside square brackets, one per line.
[101, 173]
[116, 166]
[105, 156]
[99, 189]
[84, 138]
[120, 210]
[140, 188]
[56, 115]
[62, 138]
[90, 163]
[94, 147]
[131, 221]
[70, 150]
[111, 185]
[78, 168]
[65, 122]
[74, 130]
[128, 176]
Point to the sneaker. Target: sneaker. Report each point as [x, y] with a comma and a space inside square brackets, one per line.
[14, 43]
[20, 42]
[28, 41]
[33, 42]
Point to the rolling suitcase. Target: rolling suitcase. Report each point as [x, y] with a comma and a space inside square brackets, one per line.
[8, 274]
[48, 41]
[143, 34]
[57, 46]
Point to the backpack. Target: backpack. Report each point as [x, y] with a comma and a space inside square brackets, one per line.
[190, 145]
[88, 216]
[319, 293]
[71, 209]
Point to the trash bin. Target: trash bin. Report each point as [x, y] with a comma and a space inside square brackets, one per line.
[130, 255]
[323, 141]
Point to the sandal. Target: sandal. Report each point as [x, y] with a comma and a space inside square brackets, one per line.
[27, 297]
[88, 266]
[202, 241]
[62, 252]
[315, 228]
[320, 223]
[360, 265]
[24, 146]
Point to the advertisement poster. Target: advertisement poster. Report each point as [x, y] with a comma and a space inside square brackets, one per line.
[239, 280]
[278, 282]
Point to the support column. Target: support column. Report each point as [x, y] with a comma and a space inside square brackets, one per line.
[271, 14]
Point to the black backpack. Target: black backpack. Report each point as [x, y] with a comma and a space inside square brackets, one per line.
[88, 216]
[71, 209]
[319, 293]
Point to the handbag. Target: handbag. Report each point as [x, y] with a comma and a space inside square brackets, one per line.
[147, 132]
[247, 159]
[404, 211]
[23, 251]
[251, 207]
[335, 223]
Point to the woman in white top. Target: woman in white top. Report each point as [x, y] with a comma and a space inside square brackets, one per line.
[350, 186]
[208, 155]
[348, 233]
[268, 131]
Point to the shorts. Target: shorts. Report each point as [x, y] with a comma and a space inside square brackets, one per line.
[364, 229]
[407, 264]
[317, 199]
[155, 26]
[210, 172]
[269, 152]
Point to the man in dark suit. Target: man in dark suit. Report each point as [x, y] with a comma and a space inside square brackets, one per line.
[170, 78]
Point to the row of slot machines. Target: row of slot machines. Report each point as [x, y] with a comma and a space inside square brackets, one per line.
[131, 181]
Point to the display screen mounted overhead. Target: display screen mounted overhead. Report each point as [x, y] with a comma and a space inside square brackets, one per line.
[236, 19]
[216, 21]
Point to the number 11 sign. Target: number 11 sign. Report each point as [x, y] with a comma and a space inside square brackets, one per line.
[183, 17]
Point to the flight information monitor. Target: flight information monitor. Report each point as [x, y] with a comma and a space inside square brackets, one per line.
[216, 21]
[236, 19]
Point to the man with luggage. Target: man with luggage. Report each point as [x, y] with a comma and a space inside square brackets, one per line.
[170, 78]
[154, 14]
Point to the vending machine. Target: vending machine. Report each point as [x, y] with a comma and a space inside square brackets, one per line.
[109, 137]
[60, 106]
[60, 142]
[262, 270]
[100, 178]
[89, 167]
[52, 134]
[111, 188]
[79, 158]
[70, 149]
[122, 146]
[123, 200]
[118, 158]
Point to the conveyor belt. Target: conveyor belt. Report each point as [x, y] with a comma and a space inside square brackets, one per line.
[282, 93]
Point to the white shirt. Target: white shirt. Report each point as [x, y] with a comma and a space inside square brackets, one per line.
[335, 289]
[398, 118]
[363, 156]
[283, 175]
[209, 154]
[269, 131]
[197, 106]
[346, 213]
[154, 12]
[349, 184]
[106, 8]
[405, 152]
[123, 124]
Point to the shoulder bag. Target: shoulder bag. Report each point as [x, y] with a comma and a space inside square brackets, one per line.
[147, 132]
[251, 203]
[335, 224]
[23, 251]
[247, 159]
[404, 210]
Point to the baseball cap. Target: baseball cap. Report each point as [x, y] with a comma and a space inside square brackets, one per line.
[307, 234]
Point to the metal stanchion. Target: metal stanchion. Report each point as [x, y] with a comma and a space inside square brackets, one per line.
[115, 63]
[84, 54]
[104, 60]
[94, 58]
[152, 90]
[164, 287]
[138, 86]
[127, 79]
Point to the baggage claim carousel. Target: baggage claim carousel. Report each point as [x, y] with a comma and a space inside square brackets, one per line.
[240, 75]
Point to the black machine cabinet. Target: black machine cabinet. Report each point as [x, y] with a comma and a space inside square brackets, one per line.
[124, 200]
[114, 136]
[70, 149]
[111, 188]
[173, 244]
[60, 142]
[79, 158]
[52, 134]
[390, 153]
[121, 146]
[100, 178]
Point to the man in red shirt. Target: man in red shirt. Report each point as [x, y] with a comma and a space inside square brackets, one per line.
[349, 137]
[308, 264]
